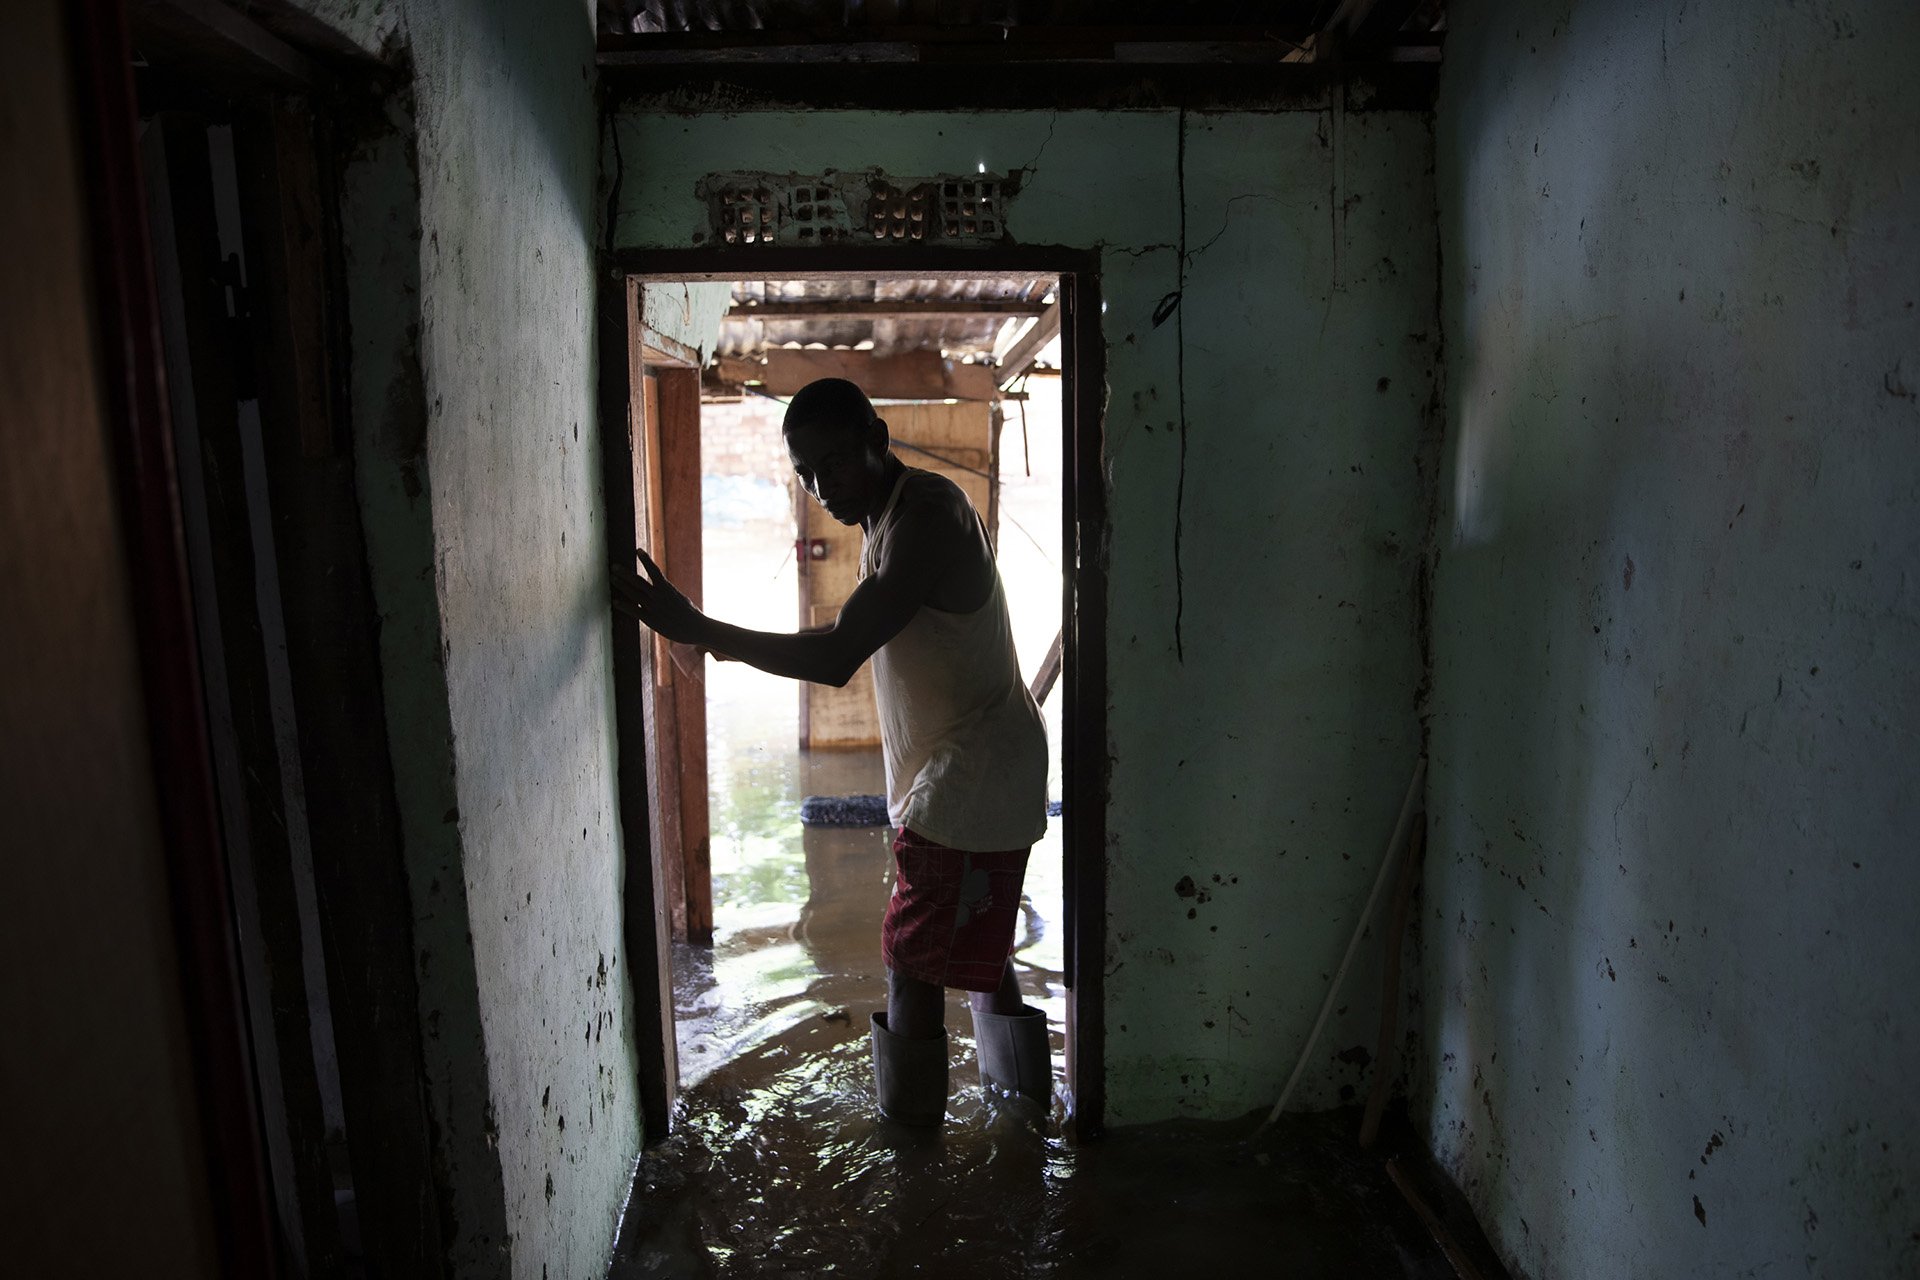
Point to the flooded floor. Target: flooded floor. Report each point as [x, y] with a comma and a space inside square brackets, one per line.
[779, 1163]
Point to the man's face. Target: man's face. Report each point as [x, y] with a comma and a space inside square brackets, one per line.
[841, 468]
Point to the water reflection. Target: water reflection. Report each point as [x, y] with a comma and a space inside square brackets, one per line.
[797, 909]
[781, 1165]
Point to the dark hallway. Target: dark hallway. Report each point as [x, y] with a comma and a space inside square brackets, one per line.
[1516, 397]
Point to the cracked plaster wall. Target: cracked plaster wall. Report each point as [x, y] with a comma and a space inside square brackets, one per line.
[1255, 782]
[1669, 918]
[470, 259]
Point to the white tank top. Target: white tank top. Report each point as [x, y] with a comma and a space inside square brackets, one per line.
[964, 742]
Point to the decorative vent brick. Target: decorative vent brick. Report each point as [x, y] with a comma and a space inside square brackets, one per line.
[763, 208]
[970, 208]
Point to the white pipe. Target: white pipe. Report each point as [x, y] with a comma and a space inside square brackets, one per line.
[1394, 845]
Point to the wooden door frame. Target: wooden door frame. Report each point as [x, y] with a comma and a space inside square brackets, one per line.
[1084, 539]
[683, 863]
[126, 313]
[261, 84]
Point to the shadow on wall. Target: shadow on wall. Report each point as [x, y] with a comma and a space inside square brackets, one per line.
[381, 234]
[1664, 767]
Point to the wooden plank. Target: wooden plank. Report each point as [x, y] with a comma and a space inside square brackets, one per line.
[201, 384]
[843, 718]
[1022, 354]
[1049, 672]
[647, 924]
[911, 375]
[748, 82]
[647, 462]
[1362, 29]
[882, 309]
[912, 41]
[663, 737]
[678, 406]
[205, 35]
[304, 347]
[996, 422]
[287, 264]
[658, 349]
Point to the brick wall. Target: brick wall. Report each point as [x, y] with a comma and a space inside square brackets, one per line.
[742, 438]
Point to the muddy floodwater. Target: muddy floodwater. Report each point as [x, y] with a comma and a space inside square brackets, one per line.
[779, 1163]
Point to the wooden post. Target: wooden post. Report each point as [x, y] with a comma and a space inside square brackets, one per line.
[678, 407]
[202, 384]
[664, 737]
[647, 924]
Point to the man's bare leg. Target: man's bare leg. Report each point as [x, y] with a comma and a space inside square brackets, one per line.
[1006, 1000]
[915, 1009]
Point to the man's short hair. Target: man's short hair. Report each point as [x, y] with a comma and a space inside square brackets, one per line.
[830, 402]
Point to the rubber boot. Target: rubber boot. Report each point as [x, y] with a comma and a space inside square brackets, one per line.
[909, 1076]
[1014, 1054]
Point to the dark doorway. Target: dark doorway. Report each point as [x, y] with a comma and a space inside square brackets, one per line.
[653, 896]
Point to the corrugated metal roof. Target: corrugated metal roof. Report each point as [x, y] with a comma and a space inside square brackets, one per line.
[1294, 23]
[815, 15]
[959, 335]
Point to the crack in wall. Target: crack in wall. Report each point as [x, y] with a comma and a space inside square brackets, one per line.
[1170, 306]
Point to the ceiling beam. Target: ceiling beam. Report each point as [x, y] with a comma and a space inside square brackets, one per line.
[1022, 354]
[750, 83]
[880, 309]
[1363, 28]
[206, 36]
[911, 375]
[1165, 43]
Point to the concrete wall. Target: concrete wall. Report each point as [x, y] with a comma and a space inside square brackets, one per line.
[1255, 783]
[686, 313]
[1670, 967]
[471, 248]
[102, 1129]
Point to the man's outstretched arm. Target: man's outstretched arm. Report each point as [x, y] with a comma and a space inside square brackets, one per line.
[875, 613]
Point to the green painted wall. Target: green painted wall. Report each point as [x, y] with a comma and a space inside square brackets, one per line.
[470, 231]
[1670, 969]
[1268, 766]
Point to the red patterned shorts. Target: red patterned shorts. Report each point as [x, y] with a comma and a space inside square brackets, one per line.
[950, 921]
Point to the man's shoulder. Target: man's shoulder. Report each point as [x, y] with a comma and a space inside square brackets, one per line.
[933, 501]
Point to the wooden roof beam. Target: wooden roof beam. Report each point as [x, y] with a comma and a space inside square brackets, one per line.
[1363, 28]
[882, 309]
[911, 375]
[1022, 354]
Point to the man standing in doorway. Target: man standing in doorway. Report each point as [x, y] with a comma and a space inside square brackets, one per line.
[963, 740]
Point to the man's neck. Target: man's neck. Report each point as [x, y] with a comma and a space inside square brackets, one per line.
[890, 480]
